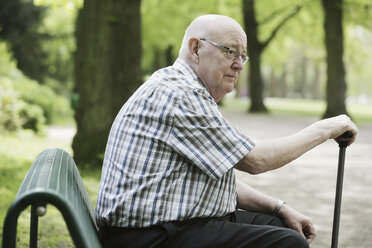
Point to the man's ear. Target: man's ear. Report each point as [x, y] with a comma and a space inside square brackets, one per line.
[194, 45]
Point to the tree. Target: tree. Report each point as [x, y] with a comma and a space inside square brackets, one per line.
[255, 50]
[336, 85]
[107, 65]
[19, 21]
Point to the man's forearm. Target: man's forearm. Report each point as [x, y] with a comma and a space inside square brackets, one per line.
[252, 200]
[272, 154]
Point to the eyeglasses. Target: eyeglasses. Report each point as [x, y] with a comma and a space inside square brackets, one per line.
[231, 53]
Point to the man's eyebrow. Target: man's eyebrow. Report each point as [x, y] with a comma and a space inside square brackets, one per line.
[233, 44]
[236, 46]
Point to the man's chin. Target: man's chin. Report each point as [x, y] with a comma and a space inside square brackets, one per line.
[230, 88]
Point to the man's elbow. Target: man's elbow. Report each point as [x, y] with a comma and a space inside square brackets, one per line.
[250, 166]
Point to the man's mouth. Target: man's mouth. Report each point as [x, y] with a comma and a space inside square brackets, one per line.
[232, 76]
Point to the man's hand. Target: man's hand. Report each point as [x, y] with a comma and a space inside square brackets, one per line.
[298, 222]
[338, 125]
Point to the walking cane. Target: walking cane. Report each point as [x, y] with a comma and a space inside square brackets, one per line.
[340, 176]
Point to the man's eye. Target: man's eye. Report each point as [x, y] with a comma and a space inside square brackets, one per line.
[231, 52]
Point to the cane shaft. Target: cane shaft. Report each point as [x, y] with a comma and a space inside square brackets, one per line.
[338, 198]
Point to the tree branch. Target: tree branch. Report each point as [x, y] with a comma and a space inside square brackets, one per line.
[273, 15]
[280, 25]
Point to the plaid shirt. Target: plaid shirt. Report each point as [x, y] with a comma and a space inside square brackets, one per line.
[170, 155]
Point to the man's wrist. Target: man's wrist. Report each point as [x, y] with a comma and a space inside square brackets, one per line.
[278, 206]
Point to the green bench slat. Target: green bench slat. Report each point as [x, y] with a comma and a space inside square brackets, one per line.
[54, 179]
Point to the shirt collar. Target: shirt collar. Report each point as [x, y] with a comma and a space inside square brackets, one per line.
[186, 69]
[182, 66]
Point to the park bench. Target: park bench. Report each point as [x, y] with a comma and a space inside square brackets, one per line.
[53, 179]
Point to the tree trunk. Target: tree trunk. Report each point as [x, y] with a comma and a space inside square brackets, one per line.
[255, 49]
[283, 83]
[157, 64]
[273, 84]
[316, 83]
[107, 71]
[303, 77]
[336, 85]
[168, 55]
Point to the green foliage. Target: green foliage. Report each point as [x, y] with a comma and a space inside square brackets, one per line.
[52, 104]
[70, 5]
[358, 13]
[33, 117]
[15, 113]
[23, 102]
[9, 111]
[303, 33]
[59, 46]
[359, 61]
[303, 39]
[40, 35]
[19, 20]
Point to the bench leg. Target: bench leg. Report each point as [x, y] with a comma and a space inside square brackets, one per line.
[36, 211]
[34, 222]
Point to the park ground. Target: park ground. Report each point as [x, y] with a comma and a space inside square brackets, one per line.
[307, 184]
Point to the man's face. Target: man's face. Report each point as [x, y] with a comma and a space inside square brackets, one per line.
[218, 72]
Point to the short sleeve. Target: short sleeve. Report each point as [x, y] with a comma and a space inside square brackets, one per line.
[202, 135]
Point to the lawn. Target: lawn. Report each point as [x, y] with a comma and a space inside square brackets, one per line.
[360, 113]
[17, 152]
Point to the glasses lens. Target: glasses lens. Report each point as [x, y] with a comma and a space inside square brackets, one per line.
[230, 52]
[245, 58]
[234, 55]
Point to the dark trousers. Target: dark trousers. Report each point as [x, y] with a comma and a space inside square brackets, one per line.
[239, 229]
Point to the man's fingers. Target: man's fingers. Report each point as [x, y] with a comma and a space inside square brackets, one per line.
[310, 233]
[299, 229]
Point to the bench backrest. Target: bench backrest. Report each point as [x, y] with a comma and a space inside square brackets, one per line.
[54, 179]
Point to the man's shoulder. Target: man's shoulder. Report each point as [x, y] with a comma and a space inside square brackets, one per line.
[173, 79]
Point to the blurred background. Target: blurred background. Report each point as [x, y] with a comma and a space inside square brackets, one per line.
[67, 67]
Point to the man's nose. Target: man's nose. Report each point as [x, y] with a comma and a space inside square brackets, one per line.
[238, 64]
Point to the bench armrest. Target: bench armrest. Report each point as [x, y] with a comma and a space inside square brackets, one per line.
[54, 179]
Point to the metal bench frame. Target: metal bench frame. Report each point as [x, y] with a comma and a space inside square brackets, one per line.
[53, 179]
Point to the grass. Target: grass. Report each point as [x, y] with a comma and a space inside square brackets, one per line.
[18, 151]
[361, 114]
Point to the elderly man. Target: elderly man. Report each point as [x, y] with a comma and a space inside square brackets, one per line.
[168, 174]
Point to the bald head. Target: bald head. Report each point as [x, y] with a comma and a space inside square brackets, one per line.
[209, 27]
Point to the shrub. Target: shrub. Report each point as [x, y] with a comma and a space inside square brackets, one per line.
[15, 113]
[32, 117]
[24, 103]
[9, 106]
[53, 105]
